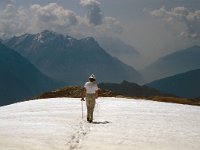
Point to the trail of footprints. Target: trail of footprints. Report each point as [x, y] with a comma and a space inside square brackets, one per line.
[76, 138]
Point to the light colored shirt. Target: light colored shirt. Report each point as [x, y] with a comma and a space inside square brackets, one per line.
[91, 87]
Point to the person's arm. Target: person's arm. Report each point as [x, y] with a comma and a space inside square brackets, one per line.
[83, 93]
[97, 92]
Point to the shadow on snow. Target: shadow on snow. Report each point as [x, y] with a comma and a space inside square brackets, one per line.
[101, 122]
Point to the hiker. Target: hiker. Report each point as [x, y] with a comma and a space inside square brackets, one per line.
[91, 93]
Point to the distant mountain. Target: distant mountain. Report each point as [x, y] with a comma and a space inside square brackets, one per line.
[131, 89]
[184, 85]
[178, 62]
[19, 79]
[71, 60]
[117, 48]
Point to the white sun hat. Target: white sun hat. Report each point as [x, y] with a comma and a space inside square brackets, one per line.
[92, 76]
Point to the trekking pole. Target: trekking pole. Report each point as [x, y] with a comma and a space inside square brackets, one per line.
[82, 99]
[82, 109]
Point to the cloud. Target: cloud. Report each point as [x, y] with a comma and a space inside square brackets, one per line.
[53, 17]
[190, 19]
[13, 21]
[99, 24]
[8, 1]
[19, 20]
[94, 12]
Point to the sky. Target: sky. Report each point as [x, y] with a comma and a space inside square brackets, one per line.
[153, 27]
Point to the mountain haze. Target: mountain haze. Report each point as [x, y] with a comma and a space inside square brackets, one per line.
[19, 78]
[70, 60]
[117, 48]
[175, 63]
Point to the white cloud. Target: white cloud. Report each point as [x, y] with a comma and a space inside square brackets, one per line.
[13, 20]
[53, 17]
[190, 19]
[18, 20]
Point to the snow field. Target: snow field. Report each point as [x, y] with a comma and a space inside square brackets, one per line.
[119, 124]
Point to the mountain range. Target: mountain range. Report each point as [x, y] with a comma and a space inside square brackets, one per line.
[19, 78]
[71, 60]
[50, 59]
[174, 63]
[184, 85]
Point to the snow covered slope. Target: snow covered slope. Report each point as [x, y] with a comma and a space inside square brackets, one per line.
[120, 124]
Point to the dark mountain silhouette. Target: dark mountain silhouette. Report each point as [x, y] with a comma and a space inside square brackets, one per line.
[19, 78]
[175, 63]
[126, 88]
[71, 60]
[184, 85]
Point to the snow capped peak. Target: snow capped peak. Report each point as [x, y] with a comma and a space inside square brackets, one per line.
[69, 38]
[47, 35]
[39, 38]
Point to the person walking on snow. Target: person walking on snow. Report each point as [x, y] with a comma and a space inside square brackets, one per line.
[91, 93]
